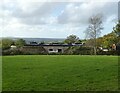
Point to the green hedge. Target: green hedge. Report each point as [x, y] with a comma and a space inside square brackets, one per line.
[70, 51]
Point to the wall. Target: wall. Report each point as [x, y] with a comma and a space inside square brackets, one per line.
[55, 48]
[33, 49]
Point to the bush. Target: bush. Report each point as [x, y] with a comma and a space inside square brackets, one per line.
[6, 52]
[6, 43]
[112, 52]
[76, 50]
[11, 52]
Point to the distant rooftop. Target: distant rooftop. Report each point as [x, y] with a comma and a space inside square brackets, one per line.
[80, 44]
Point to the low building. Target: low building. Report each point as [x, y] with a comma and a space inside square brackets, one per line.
[47, 48]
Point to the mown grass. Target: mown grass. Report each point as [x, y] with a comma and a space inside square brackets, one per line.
[60, 73]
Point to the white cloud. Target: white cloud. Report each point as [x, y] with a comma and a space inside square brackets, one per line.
[41, 19]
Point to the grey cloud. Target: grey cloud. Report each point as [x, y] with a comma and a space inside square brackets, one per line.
[74, 13]
[81, 15]
[36, 14]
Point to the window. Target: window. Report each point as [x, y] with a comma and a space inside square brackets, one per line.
[59, 50]
[50, 49]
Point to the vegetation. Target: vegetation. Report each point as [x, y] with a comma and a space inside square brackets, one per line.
[72, 39]
[117, 31]
[107, 40]
[94, 29]
[117, 28]
[20, 42]
[6, 43]
[79, 50]
[60, 73]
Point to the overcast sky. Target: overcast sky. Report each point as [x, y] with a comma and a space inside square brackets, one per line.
[36, 19]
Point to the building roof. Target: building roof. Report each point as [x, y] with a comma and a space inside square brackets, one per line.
[63, 45]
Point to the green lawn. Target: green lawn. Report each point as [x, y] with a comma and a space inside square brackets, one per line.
[60, 73]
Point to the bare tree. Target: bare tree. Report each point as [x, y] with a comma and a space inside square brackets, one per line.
[93, 31]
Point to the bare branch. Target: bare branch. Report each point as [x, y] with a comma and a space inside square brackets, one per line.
[93, 31]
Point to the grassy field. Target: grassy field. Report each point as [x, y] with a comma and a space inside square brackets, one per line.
[60, 73]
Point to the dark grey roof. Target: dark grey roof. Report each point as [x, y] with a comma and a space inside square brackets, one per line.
[64, 45]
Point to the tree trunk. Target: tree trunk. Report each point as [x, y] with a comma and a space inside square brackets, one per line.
[94, 50]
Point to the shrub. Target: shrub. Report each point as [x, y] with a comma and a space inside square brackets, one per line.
[11, 52]
[111, 52]
[76, 50]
